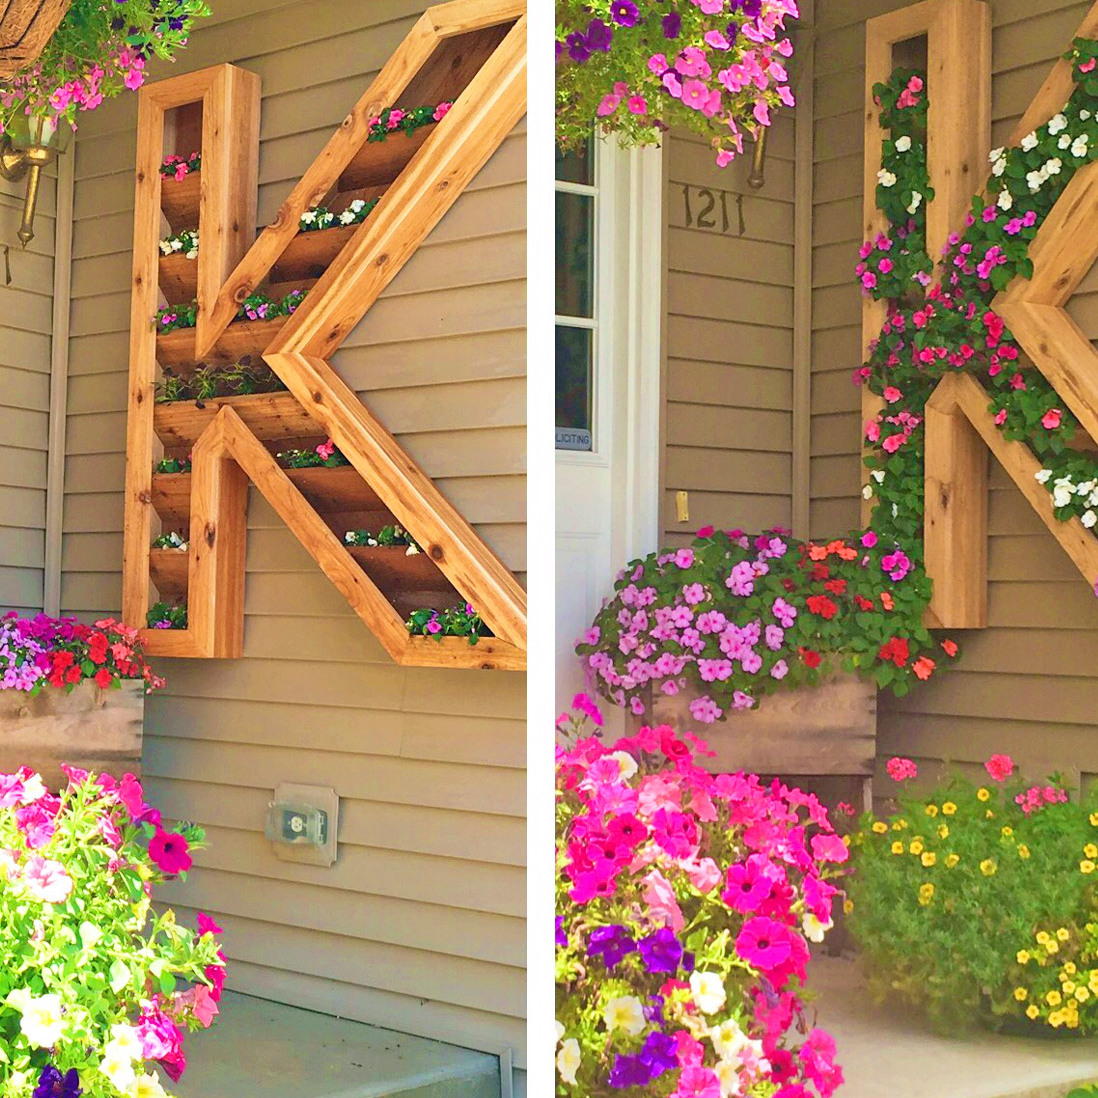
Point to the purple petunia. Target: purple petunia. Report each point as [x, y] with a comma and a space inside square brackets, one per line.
[561, 934]
[624, 12]
[612, 943]
[672, 25]
[578, 48]
[599, 36]
[661, 951]
[52, 1084]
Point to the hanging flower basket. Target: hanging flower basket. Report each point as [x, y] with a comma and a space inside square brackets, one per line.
[26, 27]
[637, 69]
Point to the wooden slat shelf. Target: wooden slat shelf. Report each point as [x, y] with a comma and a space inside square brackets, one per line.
[242, 337]
[168, 568]
[489, 653]
[267, 415]
[178, 278]
[380, 162]
[179, 201]
[310, 254]
[390, 568]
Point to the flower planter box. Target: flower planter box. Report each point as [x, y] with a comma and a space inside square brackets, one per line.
[91, 728]
[829, 729]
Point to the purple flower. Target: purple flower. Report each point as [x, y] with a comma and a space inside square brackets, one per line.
[624, 13]
[52, 1084]
[599, 36]
[629, 1071]
[578, 47]
[561, 935]
[672, 24]
[661, 951]
[612, 943]
[660, 1053]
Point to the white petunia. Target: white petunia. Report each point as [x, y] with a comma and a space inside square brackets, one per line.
[815, 929]
[727, 1038]
[624, 1012]
[708, 991]
[1080, 146]
[885, 178]
[627, 763]
[1029, 141]
[1089, 519]
[34, 789]
[117, 1066]
[1057, 123]
[1043, 476]
[916, 199]
[42, 1021]
[903, 143]
[1006, 200]
[147, 1086]
[568, 1060]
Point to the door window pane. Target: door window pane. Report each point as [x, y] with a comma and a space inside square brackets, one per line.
[575, 253]
[577, 166]
[574, 396]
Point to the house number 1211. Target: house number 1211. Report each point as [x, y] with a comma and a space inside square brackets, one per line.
[708, 209]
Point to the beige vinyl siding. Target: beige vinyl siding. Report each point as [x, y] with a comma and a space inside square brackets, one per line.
[1026, 684]
[419, 926]
[26, 306]
[727, 436]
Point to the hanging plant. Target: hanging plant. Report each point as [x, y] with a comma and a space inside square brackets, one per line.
[97, 51]
[637, 69]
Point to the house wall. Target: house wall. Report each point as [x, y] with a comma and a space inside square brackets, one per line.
[26, 305]
[1026, 684]
[728, 332]
[419, 926]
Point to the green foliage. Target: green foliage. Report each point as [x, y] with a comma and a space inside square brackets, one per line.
[208, 381]
[164, 615]
[457, 621]
[326, 455]
[171, 540]
[405, 120]
[172, 465]
[386, 537]
[975, 908]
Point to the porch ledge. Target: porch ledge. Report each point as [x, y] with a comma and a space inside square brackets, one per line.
[266, 1050]
[885, 1057]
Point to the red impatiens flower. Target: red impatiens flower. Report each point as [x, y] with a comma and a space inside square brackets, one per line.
[810, 657]
[836, 586]
[894, 651]
[168, 849]
[98, 646]
[886, 600]
[923, 667]
[949, 648]
[863, 603]
[822, 605]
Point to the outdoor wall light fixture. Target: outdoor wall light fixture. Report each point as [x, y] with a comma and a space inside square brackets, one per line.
[25, 151]
[757, 178]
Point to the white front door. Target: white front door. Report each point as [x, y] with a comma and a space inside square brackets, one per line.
[609, 218]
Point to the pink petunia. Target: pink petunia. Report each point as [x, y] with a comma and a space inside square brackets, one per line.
[47, 880]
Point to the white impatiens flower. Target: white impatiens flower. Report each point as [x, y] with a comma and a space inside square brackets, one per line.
[708, 991]
[1084, 115]
[1086, 487]
[568, 1060]
[885, 178]
[916, 199]
[1089, 519]
[627, 763]
[308, 217]
[995, 154]
[815, 929]
[1062, 491]
[42, 1023]
[1035, 178]
[559, 1027]
[1057, 123]
[878, 475]
[1064, 141]
[165, 247]
[867, 491]
[999, 166]
[177, 244]
[895, 510]
[1006, 200]
[1079, 147]
[1029, 141]
[903, 143]
[1053, 166]
[346, 217]
[1043, 477]
[623, 1012]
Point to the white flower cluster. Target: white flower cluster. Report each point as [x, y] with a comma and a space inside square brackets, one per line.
[1065, 491]
[322, 218]
[185, 242]
[174, 541]
[878, 475]
[1037, 178]
[885, 178]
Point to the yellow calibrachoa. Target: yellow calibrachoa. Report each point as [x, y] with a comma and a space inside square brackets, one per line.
[1086, 866]
[880, 827]
[952, 860]
[1094, 819]
[1032, 1013]
[949, 808]
[1023, 957]
[932, 810]
[926, 893]
[1063, 934]
[1042, 936]
[928, 858]
[899, 825]
[898, 847]
[1052, 945]
[1090, 850]
[848, 906]
[943, 831]
[1082, 994]
[1006, 832]
[1054, 998]
[983, 794]
[1023, 850]
[988, 867]
[916, 846]
[1021, 994]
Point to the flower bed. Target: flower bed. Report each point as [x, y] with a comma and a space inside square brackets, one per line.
[976, 903]
[257, 306]
[179, 167]
[640, 69]
[165, 615]
[387, 537]
[99, 988]
[685, 904]
[457, 621]
[183, 243]
[209, 381]
[327, 454]
[736, 618]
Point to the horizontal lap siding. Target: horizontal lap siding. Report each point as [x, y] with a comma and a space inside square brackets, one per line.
[1026, 684]
[26, 306]
[727, 436]
[420, 924]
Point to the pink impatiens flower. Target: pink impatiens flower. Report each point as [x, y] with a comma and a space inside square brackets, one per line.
[1000, 767]
[900, 770]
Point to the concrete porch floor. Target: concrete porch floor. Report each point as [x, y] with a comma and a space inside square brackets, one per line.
[882, 1057]
[265, 1050]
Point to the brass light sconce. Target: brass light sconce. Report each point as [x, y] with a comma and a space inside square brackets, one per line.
[25, 151]
[757, 179]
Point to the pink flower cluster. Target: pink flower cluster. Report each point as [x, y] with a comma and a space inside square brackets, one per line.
[901, 770]
[651, 844]
[1037, 796]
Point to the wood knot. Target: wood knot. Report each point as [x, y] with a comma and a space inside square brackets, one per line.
[210, 534]
[381, 259]
[318, 398]
[140, 177]
[139, 397]
[436, 552]
[144, 497]
[241, 293]
[24, 711]
[443, 185]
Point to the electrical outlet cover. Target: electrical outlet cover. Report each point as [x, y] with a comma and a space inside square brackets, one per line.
[310, 796]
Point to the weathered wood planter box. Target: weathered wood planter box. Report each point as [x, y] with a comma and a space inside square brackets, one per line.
[91, 728]
[829, 729]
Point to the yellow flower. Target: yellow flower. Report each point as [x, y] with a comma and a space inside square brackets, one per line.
[916, 846]
[929, 858]
[949, 808]
[1092, 980]
[1063, 934]
[1032, 1013]
[1082, 994]
[1052, 945]
[1094, 819]
[988, 867]
[1056, 1019]
[848, 906]
[1042, 936]
[989, 815]
[1023, 957]
[952, 860]
[898, 847]
[1023, 850]
[1054, 998]
[1021, 994]
[1086, 866]
[1006, 832]
[1069, 968]
[880, 827]
[932, 810]
[926, 893]
[1090, 850]
[1069, 987]
[943, 831]
[983, 794]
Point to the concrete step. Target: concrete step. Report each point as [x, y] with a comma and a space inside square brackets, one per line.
[885, 1054]
[266, 1050]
